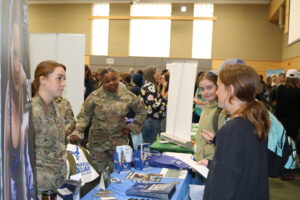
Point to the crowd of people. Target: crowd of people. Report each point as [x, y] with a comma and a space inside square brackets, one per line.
[231, 107]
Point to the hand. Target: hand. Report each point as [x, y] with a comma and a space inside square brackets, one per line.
[68, 132]
[203, 162]
[199, 102]
[208, 136]
[74, 139]
[125, 131]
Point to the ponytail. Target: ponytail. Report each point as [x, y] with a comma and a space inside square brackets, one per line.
[258, 115]
[245, 81]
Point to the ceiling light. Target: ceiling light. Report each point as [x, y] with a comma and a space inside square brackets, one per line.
[183, 9]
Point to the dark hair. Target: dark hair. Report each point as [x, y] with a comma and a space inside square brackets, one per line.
[44, 69]
[87, 72]
[282, 74]
[245, 81]
[292, 82]
[149, 75]
[208, 76]
[198, 79]
[106, 71]
[164, 71]
[167, 78]
[126, 77]
[140, 72]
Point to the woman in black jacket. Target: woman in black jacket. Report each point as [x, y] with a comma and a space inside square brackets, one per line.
[239, 169]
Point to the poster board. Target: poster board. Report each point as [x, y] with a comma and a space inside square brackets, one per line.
[271, 72]
[294, 22]
[180, 101]
[16, 141]
[68, 49]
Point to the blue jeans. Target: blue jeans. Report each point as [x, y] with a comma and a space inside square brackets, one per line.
[150, 130]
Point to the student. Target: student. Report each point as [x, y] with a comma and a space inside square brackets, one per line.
[287, 108]
[154, 102]
[211, 118]
[197, 100]
[89, 82]
[48, 126]
[239, 169]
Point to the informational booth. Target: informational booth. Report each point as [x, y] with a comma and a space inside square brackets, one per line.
[68, 49]
[180, 105]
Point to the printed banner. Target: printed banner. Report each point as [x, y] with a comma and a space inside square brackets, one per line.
[16, 139]
[270, 72]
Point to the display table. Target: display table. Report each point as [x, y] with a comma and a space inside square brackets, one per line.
[119, 188]
[169, 147]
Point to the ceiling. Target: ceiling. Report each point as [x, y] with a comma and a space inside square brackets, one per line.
[150, 1]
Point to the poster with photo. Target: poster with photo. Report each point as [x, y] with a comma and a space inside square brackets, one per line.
[16, 138]
[271, 72]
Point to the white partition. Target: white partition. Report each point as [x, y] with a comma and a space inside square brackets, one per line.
[180, 101]
[68, 49]
[294, 22]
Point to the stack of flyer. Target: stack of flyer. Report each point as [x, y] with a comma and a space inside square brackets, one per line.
[152, 190]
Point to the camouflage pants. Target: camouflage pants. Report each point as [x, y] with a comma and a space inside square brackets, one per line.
[102, 154]
[101, 160]
[48, 180]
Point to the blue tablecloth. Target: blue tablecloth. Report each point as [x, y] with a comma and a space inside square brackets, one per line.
[119, 189]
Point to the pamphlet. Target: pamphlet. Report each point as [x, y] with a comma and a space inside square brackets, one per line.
[141, 177]
[152, 190]
[189, 161]
[174, 173]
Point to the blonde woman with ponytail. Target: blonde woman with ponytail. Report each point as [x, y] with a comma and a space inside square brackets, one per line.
[239, 169]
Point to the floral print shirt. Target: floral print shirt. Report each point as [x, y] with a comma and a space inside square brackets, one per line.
[153, 100]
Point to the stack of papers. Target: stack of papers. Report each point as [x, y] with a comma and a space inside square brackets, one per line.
[187, 159]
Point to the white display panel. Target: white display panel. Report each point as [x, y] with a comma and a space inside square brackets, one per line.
[180, 100]
[294, 22]
[68, 49]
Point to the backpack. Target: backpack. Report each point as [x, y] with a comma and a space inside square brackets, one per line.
[216, 119]
[281, 149]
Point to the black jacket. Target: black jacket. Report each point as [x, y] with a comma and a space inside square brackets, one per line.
[239, 168]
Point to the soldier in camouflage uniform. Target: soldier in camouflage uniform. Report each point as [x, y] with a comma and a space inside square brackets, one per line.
[48, 126]
[65, 107]
[106, 109]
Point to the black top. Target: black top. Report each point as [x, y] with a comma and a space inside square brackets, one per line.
[239, 168]
[137, 91]
[287, 102]
[89, 85]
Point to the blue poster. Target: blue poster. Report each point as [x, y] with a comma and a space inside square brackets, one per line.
[16, 141]
[270, 72]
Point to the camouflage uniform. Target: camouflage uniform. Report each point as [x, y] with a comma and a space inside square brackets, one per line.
[50, 149]
[106, 111]
[65, 107]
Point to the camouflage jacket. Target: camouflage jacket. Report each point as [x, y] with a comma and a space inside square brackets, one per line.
[106, 112]
[48, 128]
[65, 108]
